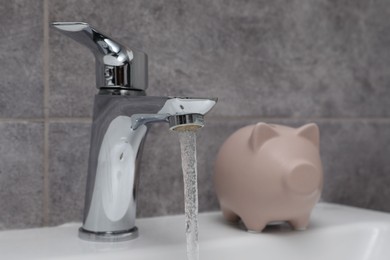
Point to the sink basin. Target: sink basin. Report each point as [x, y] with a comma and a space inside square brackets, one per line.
[336, 232]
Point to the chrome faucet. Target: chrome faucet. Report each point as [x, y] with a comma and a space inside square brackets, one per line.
[121, 117]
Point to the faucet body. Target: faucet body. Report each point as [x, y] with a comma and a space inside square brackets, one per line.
[121, 117]
[119, 127]
[113, 169]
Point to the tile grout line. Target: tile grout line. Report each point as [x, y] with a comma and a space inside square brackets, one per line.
[49, 119]
[46, 89]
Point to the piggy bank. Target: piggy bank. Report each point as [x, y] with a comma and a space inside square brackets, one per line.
[266, 173]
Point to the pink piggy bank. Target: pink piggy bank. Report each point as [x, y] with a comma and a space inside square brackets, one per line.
[267, 173]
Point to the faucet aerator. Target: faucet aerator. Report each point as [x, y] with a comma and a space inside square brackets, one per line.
[188, 122]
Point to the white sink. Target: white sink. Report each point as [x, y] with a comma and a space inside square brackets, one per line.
[336, 232]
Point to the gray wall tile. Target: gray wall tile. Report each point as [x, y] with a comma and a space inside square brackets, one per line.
[21, 175]
[322, 58]
[69, 148]
[21, 56]
[356, 163]
[72, 77]
[161, 184]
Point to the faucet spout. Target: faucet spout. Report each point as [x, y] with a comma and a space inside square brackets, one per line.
[178, 111]
[189, 112]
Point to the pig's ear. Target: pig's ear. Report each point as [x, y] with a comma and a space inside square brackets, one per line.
[261, 133]
[311, 133]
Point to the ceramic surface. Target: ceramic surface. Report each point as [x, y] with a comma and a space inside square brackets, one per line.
[335, 232]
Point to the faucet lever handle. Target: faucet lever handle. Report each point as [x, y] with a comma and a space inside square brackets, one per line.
[117, 67]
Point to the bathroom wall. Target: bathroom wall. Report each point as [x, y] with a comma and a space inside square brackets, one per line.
[288, 62]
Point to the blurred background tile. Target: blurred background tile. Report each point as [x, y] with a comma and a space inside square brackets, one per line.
[21, 175]
[356, 163]
[274, 59]
[69, 148]
[21, 51]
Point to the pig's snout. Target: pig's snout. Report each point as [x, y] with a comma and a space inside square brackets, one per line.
[303, 179]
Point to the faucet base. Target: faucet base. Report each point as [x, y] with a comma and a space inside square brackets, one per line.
[115, 236]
